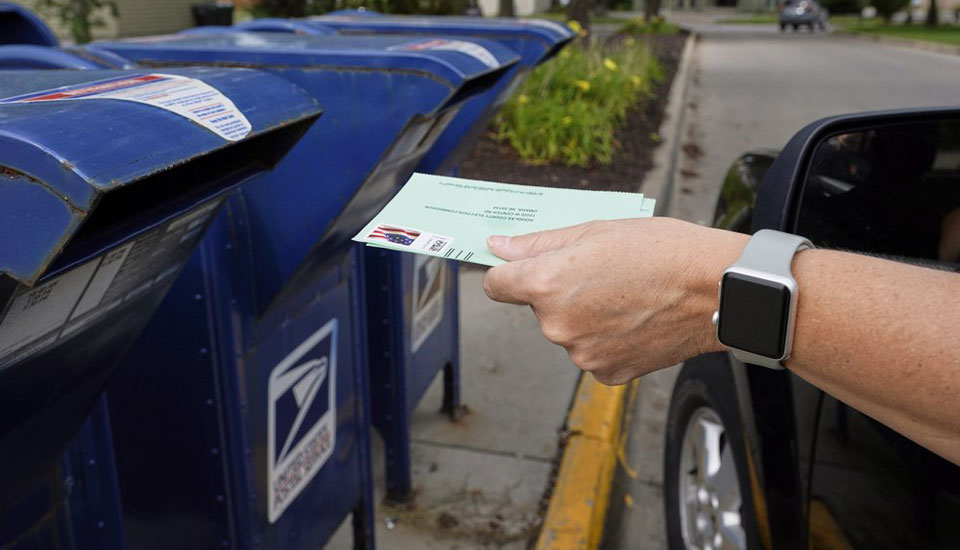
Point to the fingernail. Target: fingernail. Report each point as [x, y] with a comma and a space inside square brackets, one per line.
[497, 241]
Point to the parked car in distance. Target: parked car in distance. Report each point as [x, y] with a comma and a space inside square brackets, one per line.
[803, 13]
[759, 458]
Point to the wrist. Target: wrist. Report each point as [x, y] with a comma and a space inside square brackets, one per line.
[721, 250]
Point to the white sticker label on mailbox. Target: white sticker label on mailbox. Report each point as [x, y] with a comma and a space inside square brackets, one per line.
[475, 51]
[301, 417]
[188, 97]
[429, 280]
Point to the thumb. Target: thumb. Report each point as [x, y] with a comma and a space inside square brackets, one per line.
[534, 244]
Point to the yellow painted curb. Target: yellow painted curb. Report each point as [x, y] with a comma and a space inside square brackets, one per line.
[578, 506]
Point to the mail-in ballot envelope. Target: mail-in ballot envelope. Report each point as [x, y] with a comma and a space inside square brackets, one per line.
[452, 217]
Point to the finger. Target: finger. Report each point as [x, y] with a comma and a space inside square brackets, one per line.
[534, 244]
[508, 283]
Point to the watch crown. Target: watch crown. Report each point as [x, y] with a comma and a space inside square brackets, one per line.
[716, 317]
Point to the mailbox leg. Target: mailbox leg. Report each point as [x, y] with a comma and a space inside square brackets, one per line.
[396, 439]
[363, 512]
[451, 371]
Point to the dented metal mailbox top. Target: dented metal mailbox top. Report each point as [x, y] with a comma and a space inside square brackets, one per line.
[536, 40]
[453, 61]
[69, 140]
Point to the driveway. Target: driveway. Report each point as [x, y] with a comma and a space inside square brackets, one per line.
[753, 87]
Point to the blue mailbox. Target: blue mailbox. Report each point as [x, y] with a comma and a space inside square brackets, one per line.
[266, 446]
[108, 181]
[535, 40]
[19, 25]
[414, 333]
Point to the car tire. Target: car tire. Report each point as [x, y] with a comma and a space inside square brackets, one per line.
[704, 394]
[796, 27]
[783, 27]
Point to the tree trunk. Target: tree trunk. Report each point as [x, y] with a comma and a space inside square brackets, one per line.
[933, 14]
[80, 26]
[651, 8]
[506, 8]
[579, 11]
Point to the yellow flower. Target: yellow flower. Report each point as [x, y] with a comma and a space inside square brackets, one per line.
[575, 26]
[566, 120]
[582, 84]
[522, 99]
[636, 80]
[610, 64]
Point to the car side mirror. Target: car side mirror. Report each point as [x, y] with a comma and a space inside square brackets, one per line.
[885, 183]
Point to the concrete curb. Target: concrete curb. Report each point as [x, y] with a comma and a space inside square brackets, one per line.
[659, 182]
[902, 42]
[577, 511]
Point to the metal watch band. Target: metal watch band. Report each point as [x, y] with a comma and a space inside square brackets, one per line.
[770, 251]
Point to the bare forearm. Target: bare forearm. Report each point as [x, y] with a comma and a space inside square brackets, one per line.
[882, 336]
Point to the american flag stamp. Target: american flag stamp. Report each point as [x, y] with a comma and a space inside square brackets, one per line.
[406, 237]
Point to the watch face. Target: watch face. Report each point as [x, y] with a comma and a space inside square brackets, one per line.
[753, 314]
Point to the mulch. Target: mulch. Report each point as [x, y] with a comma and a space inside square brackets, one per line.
[638, 139]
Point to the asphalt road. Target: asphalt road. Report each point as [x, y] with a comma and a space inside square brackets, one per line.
[753, 87]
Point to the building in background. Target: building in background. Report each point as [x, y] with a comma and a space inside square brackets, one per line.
[134, 18]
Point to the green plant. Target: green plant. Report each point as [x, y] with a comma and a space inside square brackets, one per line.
[656, 25]
[80, 16]
[569, 110]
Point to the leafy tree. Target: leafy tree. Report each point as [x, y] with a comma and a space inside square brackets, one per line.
[80, 16]
[886, 8]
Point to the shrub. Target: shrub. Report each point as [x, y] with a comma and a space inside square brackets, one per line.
[569, 109]
[656, 25]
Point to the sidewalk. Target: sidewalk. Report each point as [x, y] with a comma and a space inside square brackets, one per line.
[478, 483]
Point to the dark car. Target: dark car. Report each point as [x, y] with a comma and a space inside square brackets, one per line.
[759, 458]
[803, 13]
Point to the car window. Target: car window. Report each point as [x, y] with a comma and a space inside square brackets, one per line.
[893, 191]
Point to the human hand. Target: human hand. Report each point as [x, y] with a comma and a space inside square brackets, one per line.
[624, 297]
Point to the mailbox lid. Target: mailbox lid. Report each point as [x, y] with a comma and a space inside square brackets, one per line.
[535, 39]
[453, 61]
[65, 146]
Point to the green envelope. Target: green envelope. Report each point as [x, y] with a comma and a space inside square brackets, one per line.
[452, 217]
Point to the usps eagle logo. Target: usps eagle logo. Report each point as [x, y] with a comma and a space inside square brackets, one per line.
[301, 417]
[395, 235]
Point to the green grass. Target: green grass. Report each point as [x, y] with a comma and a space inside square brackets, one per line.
[569, 110]
[562, 18]
[751, 19]
[943, 34]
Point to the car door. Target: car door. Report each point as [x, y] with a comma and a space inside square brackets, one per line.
[892, 189]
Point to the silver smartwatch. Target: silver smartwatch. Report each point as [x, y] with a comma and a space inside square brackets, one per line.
[758, 300]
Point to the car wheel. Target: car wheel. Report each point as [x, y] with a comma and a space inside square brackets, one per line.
[706, 494]
[783, 27]
[811, 28]
[796, 27]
